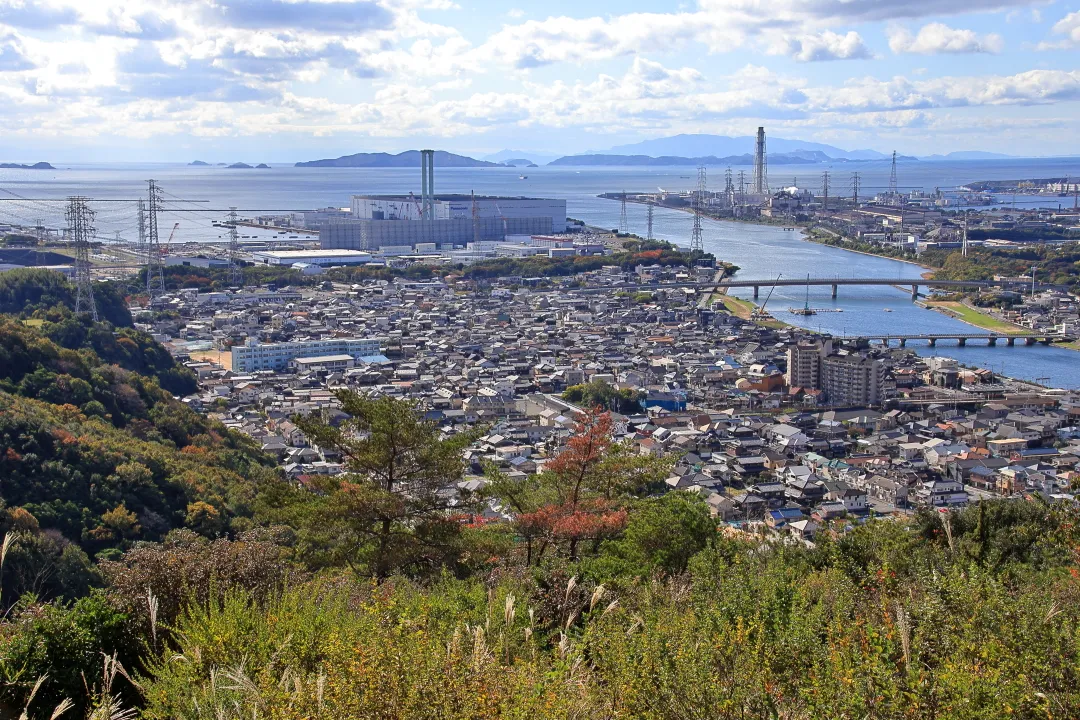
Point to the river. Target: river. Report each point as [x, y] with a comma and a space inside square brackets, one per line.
[761, 251]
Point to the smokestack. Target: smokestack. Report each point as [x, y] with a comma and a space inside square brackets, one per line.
[761, 181]
[423, 183]
[427, 183]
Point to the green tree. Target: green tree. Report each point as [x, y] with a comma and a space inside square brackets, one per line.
[392, 511]
[663, 534]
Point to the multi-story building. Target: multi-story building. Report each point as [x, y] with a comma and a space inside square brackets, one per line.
[852, 380]
[804, 364]
[255, 356]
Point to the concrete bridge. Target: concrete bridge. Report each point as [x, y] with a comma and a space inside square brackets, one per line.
[834, 283]
[962, 338]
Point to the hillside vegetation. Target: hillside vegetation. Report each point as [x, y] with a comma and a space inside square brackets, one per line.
[378, 595]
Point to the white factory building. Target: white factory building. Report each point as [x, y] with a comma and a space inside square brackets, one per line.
[254, 356]
[454, 207]
[323, 258]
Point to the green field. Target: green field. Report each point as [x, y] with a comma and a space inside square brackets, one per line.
[979, 319]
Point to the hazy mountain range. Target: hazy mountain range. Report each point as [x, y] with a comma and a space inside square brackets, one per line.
[409, 158]
[698, 149]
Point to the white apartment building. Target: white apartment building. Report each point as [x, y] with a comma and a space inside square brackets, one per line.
[254, 356]
[852, 380]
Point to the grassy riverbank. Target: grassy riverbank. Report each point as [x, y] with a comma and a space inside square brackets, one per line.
[975, 317]
[744, 309]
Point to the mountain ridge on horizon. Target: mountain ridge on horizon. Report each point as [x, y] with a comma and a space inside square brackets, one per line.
[705, 145]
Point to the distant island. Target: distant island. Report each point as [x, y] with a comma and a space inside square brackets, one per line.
[520, 162]
[262, 166]
[199, 162]
[801, 157]
[240, 166]
[409, 158]
[35, 166]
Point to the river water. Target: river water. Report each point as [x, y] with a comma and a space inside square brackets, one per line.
[760, 251]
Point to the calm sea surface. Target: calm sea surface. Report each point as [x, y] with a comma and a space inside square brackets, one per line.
[761, 251]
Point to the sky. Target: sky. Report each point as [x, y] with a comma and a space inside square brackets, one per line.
[288, 80]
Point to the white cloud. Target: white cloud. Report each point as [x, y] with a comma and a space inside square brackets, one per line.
[936, 38]
[827, 45]
[1069, 26]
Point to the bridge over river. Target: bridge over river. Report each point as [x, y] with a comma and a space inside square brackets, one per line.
[834, 282]
[962, 338]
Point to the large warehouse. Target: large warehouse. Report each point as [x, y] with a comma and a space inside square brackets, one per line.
[381, 220]
[450, 207]
[325, 258]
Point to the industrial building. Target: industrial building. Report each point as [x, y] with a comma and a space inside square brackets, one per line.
[256, 356]
[324, 258]
[451, 207]
[378, 221]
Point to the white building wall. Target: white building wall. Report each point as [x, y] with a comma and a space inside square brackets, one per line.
[276, 356]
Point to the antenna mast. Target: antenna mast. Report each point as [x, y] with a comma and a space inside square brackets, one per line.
[81, 230]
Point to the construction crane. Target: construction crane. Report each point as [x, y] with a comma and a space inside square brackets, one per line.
[165, 250]
[419, 207]
[760, 312]
[506, 231]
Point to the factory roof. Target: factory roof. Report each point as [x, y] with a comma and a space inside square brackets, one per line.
[300, 254]
[448, 198]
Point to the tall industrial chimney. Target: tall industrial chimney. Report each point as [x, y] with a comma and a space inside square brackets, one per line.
[761, 180]
[427, 184]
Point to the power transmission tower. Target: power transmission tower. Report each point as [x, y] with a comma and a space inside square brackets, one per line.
[893, 188]
[155, 274]
[699, 203]
[855, 189]
[965, 245]
[649, 223]
[81, 230]
[236, 274]
[742, 186]
[825, 190]
[624, 226]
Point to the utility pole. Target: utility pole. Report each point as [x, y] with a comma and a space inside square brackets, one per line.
[624, 226]
[855, 189]
[236, 274]
[155, 275]
[81, 230]
[825, 190]
[649, 223]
